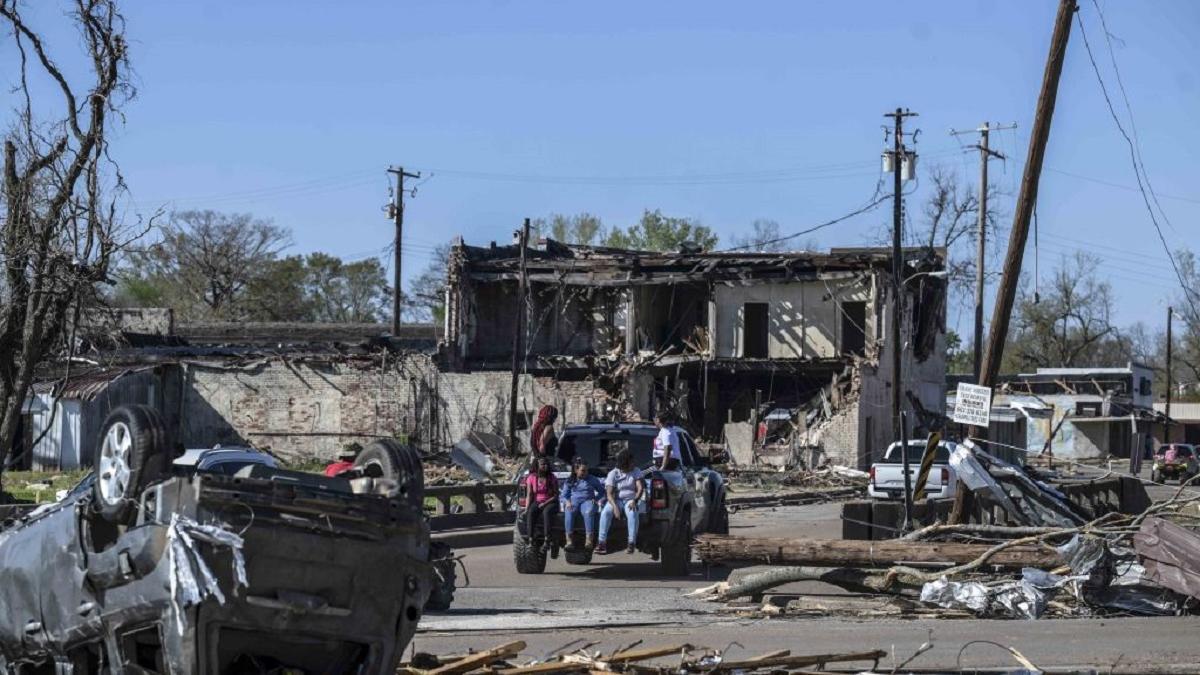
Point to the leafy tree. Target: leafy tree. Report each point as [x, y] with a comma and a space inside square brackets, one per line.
[1186, 357]
[355, 292]
[656, 232]
[959, 361]
[583, 228]
[205, 260]
[279, 293]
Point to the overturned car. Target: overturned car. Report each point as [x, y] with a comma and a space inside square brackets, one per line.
[220, 563]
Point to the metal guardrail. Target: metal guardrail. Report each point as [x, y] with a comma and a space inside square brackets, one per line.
[471, 505]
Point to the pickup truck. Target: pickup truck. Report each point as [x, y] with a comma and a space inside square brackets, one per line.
[217, 562]
[678, 504]
[887, 475]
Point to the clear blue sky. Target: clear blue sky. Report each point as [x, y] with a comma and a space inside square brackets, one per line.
[292, 110]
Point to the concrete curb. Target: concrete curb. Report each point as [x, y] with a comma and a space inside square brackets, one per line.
[474, 537]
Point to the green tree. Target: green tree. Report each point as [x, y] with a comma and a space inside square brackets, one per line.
[959, 361]
[583, 228]
[656, 232]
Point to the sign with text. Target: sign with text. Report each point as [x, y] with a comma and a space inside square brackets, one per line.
[973, 405]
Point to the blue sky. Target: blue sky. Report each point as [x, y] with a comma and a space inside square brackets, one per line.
[725, 112]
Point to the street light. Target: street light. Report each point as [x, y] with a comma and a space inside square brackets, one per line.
[940, 274]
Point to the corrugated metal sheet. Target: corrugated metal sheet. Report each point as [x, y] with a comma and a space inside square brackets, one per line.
[1180, 412]
[88, 385]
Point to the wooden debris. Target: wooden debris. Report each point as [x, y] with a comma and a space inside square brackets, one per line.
[854, 553]
[481, 659]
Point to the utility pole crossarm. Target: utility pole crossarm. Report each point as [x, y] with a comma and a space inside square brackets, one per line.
[398, 244]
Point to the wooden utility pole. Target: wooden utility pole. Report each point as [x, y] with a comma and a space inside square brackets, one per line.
[398, 219]
[518, 341]
[898, 159]
[985, 153]
[1167, 423]
[1040, 134]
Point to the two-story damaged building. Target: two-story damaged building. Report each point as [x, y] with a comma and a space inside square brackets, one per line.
[729, 341]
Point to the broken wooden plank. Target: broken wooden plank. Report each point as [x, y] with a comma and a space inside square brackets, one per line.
[644, 653]
[853, 553]
[799, 661]
[473, 661]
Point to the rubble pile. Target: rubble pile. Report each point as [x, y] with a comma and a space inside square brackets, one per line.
[1043, 555]
[580, 657]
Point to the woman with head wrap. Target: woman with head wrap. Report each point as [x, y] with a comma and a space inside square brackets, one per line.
[542, 440]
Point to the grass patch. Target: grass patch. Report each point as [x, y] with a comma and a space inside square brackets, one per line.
[40, 486]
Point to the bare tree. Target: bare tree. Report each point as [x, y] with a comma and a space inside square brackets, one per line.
[763, 238]
[60, 228]
[1071, 324]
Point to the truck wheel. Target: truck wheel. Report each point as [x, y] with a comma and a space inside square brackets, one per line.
[677, 553]
[578, 556]
[397, 462]
[528, 557]
[445, 577]
[132, 454]
[720, 520]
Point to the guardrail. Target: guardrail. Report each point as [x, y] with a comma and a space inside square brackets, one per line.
[471, 505]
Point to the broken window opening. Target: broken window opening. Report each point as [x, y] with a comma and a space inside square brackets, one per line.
[755, 330]
[854, 334]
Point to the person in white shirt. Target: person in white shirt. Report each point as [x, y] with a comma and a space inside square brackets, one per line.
[667, 446]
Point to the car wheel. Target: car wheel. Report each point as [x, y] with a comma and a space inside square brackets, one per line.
[445, 577]
[132, 454]
[389, 459]
[528, 557]
[1155, 476]
[577, 556]
[677, 553]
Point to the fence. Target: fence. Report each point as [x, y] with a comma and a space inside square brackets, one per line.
[474, 505]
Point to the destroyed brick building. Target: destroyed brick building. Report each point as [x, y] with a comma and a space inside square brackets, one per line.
[718, 338]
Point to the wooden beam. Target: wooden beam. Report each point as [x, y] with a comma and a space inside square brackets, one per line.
[850, 553]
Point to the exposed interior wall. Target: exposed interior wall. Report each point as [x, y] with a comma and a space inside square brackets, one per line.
[668, 315]
[804, 317]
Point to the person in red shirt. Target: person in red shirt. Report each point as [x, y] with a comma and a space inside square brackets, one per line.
[541, 499]
[345, 462]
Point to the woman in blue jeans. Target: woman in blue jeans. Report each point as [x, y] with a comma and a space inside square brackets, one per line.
[580, 494]
[624, 488]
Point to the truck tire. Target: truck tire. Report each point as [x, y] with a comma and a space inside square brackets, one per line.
[133, 452]
[528, 558]
[397, 462]
[719, 523]
[578, 556]
[677, 551]
[445, 577]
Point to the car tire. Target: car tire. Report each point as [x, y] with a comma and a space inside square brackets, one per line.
[397, 462]
[445, 578]
[132, 453]
[528, 557]
[1155, 476]
[676, 555]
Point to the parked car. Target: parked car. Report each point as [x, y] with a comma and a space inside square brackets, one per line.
[886, 477]
[1174, 461]
[679, 504]
[219, 563]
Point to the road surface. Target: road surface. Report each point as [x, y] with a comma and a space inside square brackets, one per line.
[621, 598]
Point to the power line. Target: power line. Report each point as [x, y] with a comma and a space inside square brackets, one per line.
[1187, 295]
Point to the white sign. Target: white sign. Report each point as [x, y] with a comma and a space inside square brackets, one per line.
[973, 405]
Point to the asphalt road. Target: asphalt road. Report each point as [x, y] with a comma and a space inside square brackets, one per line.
[621, 598]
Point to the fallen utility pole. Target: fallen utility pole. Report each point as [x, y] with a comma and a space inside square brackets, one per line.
[1039, 135]
[714, 548]
[397, 208]
[518, 341]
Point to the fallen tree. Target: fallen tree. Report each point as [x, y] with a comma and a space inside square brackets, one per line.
[713, 548]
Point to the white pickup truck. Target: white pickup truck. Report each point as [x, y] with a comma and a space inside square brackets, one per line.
[887, 474]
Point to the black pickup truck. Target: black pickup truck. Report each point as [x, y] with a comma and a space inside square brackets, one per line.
[678, 504]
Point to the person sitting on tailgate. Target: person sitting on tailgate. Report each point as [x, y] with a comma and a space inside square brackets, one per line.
[581, 495]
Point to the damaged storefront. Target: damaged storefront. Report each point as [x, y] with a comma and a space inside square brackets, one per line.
[721, 340]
